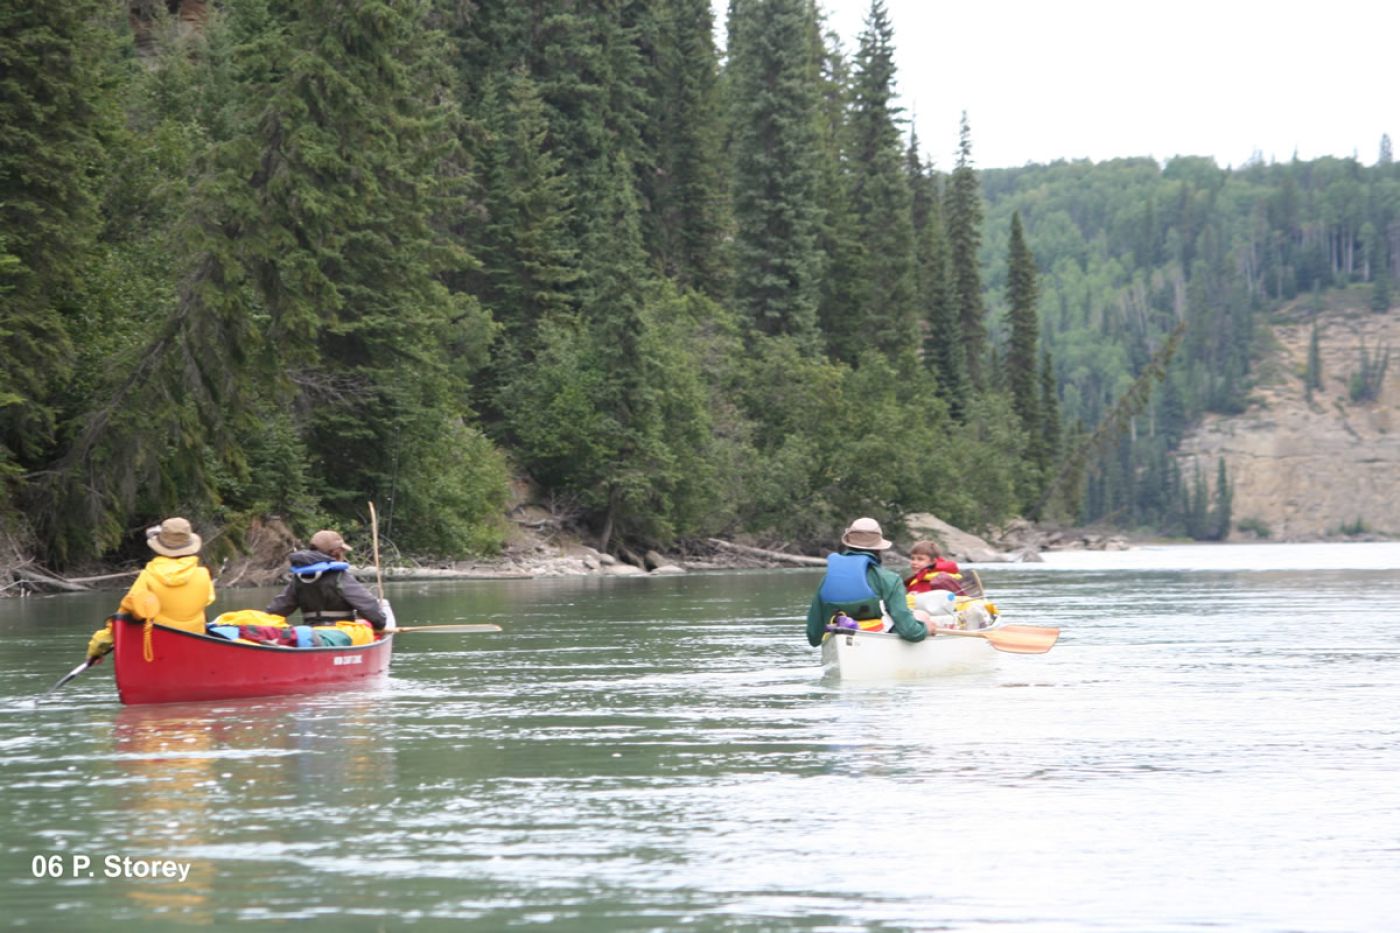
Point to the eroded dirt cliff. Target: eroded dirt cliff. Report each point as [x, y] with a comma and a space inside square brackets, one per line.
[1319, 467]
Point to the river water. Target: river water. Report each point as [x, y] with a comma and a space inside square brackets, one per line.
[1214, 743]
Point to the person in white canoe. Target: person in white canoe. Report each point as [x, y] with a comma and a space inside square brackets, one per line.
[858, 592]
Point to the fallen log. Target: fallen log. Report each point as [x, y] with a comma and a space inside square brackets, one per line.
[36, 578]
[105, 576]
[769, 555]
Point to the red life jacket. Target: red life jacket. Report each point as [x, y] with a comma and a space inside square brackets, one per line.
[936, 577]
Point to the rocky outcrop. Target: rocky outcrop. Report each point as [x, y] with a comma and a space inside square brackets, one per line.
[1025, 540]
[956, 544]
[1304, 469]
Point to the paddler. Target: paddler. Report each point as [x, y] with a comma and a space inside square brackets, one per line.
[857, 586]
[325, 591]
[181, 587]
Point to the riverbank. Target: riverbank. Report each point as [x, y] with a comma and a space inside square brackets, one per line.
[534, 549]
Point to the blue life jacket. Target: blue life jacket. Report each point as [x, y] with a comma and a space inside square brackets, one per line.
[846, 586]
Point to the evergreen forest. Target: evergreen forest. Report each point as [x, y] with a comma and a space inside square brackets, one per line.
[267, 258]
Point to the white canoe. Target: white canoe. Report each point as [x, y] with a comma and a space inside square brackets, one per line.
[857, 655]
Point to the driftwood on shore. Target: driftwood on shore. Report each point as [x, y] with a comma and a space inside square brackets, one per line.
[27, 578]
[769, 555]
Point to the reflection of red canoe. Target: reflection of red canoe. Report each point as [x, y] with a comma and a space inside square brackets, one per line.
[186, 666]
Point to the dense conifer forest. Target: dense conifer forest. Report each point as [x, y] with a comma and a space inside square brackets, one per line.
[267, 258]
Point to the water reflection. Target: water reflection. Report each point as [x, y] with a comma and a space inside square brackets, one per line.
[210, 784]
[171, 758]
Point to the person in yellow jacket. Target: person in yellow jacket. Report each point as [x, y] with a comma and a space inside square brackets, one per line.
[175, 579]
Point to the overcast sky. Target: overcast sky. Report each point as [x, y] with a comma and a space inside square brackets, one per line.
[1069, 79]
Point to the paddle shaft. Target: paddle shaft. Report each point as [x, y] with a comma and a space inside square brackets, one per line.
[147, 607]
[69, 676]
[449, 629]
[374, 532]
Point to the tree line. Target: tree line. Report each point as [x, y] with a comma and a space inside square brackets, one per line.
[279, 258]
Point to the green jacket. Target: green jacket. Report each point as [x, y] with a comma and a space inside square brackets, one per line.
[890, 588]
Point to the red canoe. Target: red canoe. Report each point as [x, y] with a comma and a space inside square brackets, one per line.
[185, 666]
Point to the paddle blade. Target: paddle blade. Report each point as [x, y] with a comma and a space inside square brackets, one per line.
[1022, 639]
[67, 677]
[449, 629]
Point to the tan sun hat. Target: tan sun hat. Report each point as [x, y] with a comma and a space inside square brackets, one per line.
[173, 538]
[866, 535]
[328, 542]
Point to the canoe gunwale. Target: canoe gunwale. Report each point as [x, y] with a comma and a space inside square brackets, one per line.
[228, 642]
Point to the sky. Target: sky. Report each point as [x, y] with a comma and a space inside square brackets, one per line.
[1043, 80]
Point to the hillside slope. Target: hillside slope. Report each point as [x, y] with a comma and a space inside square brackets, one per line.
[1308, 468]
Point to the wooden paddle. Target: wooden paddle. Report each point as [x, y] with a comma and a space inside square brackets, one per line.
[448, 629]
[374, 530]
[1017, 639]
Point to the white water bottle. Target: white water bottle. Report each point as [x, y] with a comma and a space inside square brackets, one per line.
[935, 602]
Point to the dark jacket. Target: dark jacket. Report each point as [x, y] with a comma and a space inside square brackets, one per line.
[325, 598]
[889, 587]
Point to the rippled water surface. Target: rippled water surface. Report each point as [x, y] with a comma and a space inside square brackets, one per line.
[1214, 743]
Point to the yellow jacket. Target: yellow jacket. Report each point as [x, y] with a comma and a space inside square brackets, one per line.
[183, 588]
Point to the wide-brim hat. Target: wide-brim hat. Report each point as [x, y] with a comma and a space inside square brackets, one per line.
[865, 534]
[173, 538]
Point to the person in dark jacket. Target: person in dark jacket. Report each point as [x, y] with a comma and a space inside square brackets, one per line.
[856, 584]
[325, 591]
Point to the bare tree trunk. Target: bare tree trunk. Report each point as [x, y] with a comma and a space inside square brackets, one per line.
[770, 555]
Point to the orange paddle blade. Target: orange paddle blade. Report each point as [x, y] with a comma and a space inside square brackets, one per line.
[1022, 639]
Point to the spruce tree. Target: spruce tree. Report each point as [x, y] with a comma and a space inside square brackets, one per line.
[1021, 353]
[777, 202]
[684, 202]
[942, 350]
[1220, 518]
[880, 195]
[59, 98]
[842, 249]
[603, 416]
[1312, 375]
[529, 263]
[1049, 434]
[963, 216]
[317, 250]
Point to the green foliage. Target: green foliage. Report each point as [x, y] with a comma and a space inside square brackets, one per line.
[1365, 383]
[529, 260]
[777, 201]
[963, 217]
[942, 351]
[881, 202]
[60, 87]
[1254, 526]
[1355, 528]
[1312, 375]
[1021, 353]
[450, 494]
[631, 443]
[684, 185]
[282, 268]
